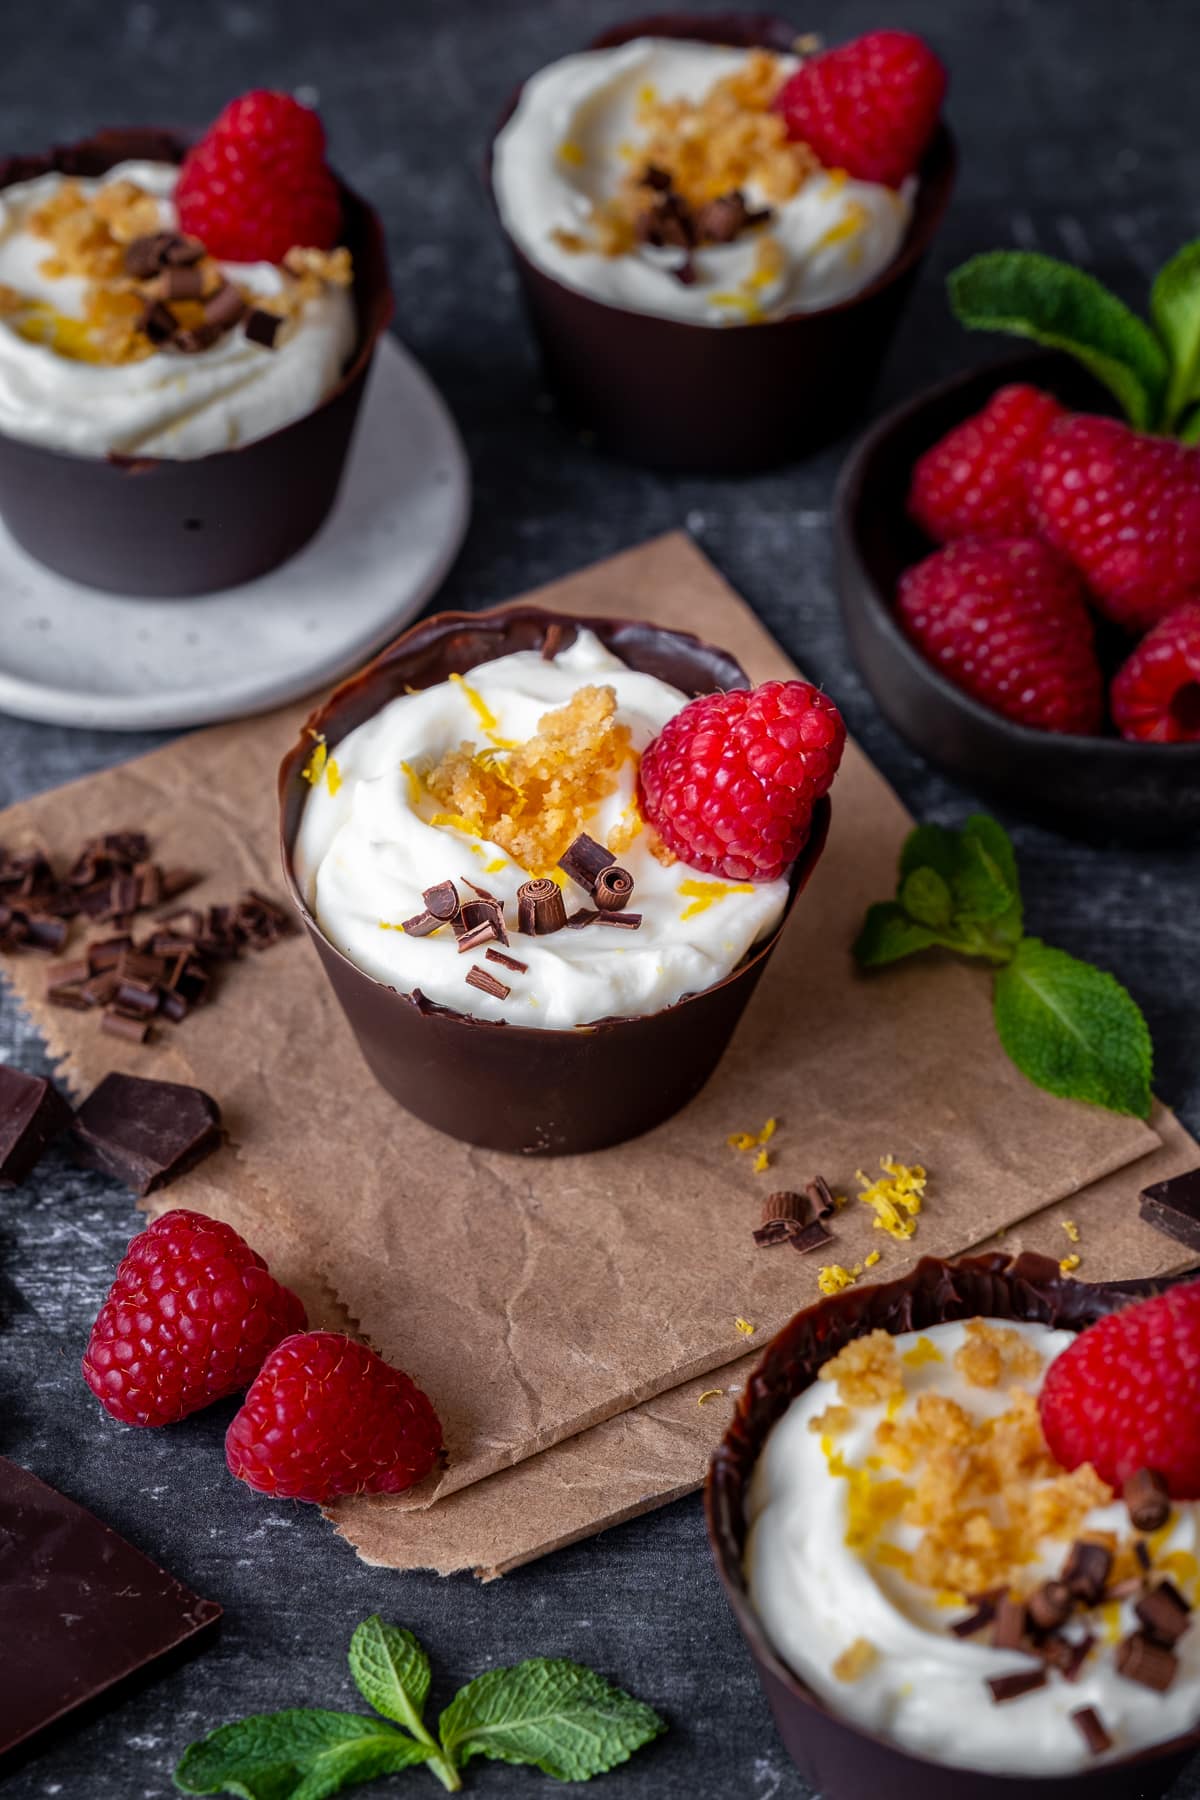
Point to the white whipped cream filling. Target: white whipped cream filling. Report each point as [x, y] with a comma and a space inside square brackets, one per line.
[365, 853]
[170, 404]
[926, 1690]
[836, 234]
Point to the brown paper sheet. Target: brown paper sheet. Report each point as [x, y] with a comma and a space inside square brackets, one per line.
[534, 1300]
[659, 1451]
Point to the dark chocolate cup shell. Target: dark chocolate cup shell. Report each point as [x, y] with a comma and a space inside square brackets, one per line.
[510, 1087]
[724, 400]
[153, 526]
[838, 1758]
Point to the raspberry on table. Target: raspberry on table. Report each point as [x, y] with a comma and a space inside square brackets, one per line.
[869, 107]
[257, 185]
[1156, 693]
[1004, 619]
[327, 1417]
[1122, 1397]
[191, 1314]
[972, 483]
[730, 782]
[1125, 509]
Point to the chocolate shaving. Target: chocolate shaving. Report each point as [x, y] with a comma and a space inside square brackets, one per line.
[626, 921]
[442, 901]
[1141, 1550]
[145, 256]
[614, 887]
[422, 924]
[1164, 1613]
[196, 339]
[106, 953]
[585, 860]
[1086, 1571]
[820, 1193]
[813, 1237]
[976, 1621]
[1149, 1503]
[587, 915]
[1012, 1687]
[1010, 1624]
[721, 220]
[1173, 1207]
[1091, 1729]
[179, 283]
[1067, 1656]
[553, 641]
[482, 892]
[487, 983]
[158, 323]
[476, 913]
[507, 962]
[225, 307]
[787, 1207]
[1151, 1665]
[262, 327]
[121, 1025]
[1050, 1605]
[540, 908]
[477, 937]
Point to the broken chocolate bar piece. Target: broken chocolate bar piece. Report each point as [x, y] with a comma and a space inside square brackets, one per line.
[1145, 1495]
[32, 1114]
[263, 327]
[145, 1133]
[585, 860]
[1173, 1207]
[1151, 1665]
[90, 1609]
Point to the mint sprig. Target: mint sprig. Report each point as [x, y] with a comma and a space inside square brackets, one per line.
[1070, 1027]
[1153, 369]
[557, 1716]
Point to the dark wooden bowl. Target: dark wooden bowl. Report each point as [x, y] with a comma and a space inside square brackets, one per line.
[1089, 787]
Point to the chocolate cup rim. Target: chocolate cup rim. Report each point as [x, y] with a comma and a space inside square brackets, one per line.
[937, 171]
[1033, 1288]
[121, 143]
[417, 638]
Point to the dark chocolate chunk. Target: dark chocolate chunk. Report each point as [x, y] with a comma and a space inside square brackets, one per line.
[1012, 1687]
[1149, 1503]
[623, 920]
[1164, 1613]
[1086, 1571]
[507, 962]
[1010, 1624]
[487, 983]
[584, 860]
[1050, 1605]
[146, 1133]
[262, 327]
[422, 924]
[1173, 1207]
[442, 901]
[540, 908]
[667, 223]
[45, 932]
[158, 322]
[1091, 1728]
[32, 1114]
[225, 307]
[92, 1609]
[587, 915]
[1151, 1665]
[106, 953]
[613, 889]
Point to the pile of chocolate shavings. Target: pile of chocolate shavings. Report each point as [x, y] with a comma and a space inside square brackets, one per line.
[110, 880]
[1035, 1626]
[170, 267]
[798, 1219]
[670, 221]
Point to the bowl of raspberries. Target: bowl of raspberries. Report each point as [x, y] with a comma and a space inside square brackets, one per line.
[1019, 554]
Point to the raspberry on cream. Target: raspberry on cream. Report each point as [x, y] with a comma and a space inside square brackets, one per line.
[85, 369]
[659, 176]
[416, 797]
[925, 1566]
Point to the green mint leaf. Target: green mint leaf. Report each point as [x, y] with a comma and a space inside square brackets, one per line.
[1073, 1029]
[987, 887]
[930, 847]
[298, 1755]
[1175, 309]
[391, 1670]
[926, 897]
[562, 1718]
[1038, 297]
[1188, 428]
[889, 934]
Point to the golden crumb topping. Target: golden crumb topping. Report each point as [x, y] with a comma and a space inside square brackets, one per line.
[867, 1371]
[855, 1660]
[535, 798]
[995, 1356]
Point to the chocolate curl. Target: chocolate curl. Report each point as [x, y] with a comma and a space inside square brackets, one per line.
[442, 901]
[1149, 1503]
[585, 860]
[786, 1206]
[613, 888]
[540, 908]
[1151, 1665]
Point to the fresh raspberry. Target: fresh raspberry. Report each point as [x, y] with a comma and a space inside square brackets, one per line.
[189, 1318]
[1123, 1396]
[1005, 620]
[1156, 694]
[327, 1417]
[972, 482]
[257, 184]
[869, 107]
[1125, 508]
[729, 783]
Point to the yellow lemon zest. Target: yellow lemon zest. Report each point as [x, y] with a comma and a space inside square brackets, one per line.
[744, 1326]
[1069, 1264]
[709, 1394]
[497, 863]
[833, 1278]
[333, 775]
[1071, 1229]
[314, 768]
[923, 1351]
[569, 152]
[704, 894]
[895, 1196]
[415, 784]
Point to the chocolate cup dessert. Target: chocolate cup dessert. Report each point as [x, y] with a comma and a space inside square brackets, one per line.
[724, 400]
[511, 1087]
[146, 525]
[837, 1757]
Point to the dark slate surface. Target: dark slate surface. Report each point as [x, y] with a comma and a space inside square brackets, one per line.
[1077, 123]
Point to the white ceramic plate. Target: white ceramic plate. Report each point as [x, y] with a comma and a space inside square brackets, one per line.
[71, 656]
